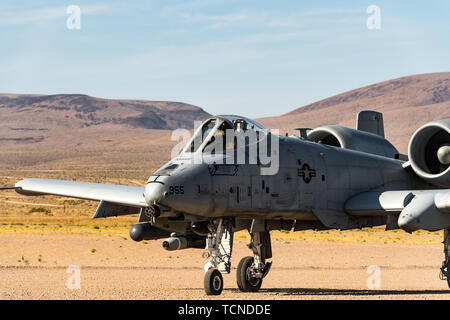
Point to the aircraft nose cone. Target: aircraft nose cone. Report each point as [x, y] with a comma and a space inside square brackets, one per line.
[443, 154]
[153, 192]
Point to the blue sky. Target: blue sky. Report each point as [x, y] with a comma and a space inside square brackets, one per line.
[254, 58]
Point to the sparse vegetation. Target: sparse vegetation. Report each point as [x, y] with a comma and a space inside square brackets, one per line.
[73, 202]
[25, 261]
[119, 227]
[40, 209]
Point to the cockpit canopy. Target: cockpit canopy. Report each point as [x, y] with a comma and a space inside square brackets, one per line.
[219, 133]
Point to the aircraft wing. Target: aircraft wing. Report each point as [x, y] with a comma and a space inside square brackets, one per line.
[132, 196]
[385, 202]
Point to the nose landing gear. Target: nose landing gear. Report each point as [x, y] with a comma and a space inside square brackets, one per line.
[219, 245]
[213, 282]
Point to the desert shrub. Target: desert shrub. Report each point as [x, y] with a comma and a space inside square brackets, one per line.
[40, 209]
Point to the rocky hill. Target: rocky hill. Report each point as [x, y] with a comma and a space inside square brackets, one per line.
[79, 120]
[406, 103]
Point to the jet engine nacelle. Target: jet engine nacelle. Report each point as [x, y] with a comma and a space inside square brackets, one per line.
[429, 153]
[347, 138]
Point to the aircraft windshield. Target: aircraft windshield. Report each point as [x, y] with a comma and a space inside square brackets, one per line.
[218, 140]
[197, 141]
[166, 170]
[251, 124]
[215, 132]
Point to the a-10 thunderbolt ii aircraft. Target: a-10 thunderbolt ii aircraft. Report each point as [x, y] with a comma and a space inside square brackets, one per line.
[234, 175]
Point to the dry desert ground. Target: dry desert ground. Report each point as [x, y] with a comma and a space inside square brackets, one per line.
[36, 253]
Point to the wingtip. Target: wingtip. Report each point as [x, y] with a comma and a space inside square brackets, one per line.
[19, 184]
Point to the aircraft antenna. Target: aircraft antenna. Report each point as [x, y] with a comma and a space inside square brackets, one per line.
[303, 132]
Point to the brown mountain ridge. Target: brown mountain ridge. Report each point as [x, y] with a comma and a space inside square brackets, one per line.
[60, 120]
[74, 120]
[406, 103]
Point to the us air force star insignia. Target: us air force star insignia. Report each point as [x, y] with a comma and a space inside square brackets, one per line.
[306, 173]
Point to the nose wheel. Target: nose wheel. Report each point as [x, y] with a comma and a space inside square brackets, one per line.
[213, 282]
[218, 247]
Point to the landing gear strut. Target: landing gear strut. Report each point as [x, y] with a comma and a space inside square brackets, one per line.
[219, 244]
[252, 270]
[445, 264]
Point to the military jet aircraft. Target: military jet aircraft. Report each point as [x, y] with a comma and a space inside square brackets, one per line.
[333, 177]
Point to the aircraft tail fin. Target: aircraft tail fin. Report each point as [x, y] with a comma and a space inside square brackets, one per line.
[370, 121]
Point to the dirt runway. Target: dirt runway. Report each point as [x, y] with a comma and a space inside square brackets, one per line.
[35, 267]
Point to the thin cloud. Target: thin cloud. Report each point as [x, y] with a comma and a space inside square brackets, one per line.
[266, 19]
[317, 16]
[190, 5]
[217, 21]
[334, 11]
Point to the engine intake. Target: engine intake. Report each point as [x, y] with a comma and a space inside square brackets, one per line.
[429, 153]
[347, 138]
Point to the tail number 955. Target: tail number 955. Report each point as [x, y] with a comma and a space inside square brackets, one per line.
[176, 190]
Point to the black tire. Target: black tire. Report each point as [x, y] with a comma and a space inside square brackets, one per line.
[244, 281]
[238, 274]
[448, 279]
[213, 282]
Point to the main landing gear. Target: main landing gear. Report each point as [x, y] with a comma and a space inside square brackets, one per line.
[445, 264]
[250, 271]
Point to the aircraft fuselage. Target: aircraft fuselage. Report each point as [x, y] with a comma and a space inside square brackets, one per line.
[311, 177]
